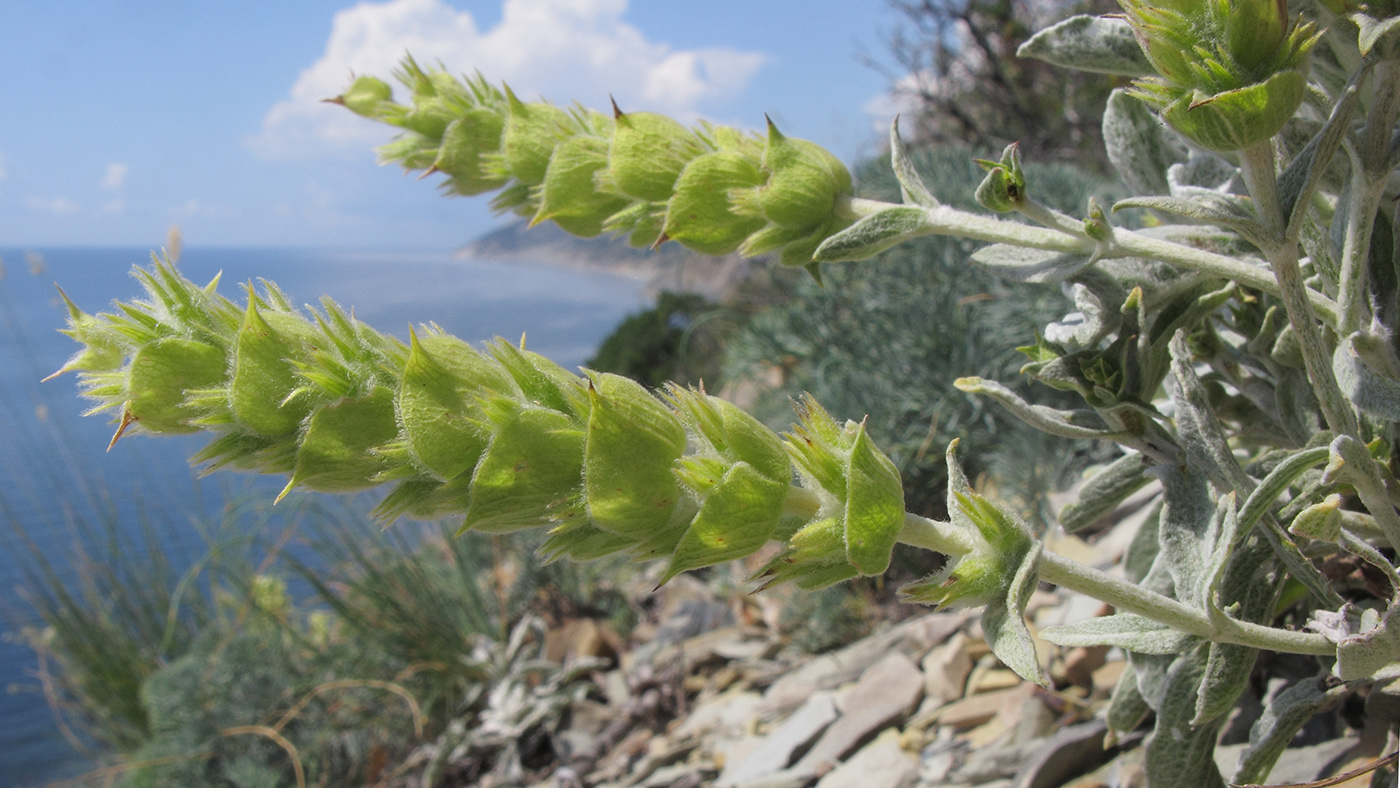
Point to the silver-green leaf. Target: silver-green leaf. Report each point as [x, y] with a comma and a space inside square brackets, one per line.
[873, 234]
[1138, 145]
[1125, 630]
[1103, 45]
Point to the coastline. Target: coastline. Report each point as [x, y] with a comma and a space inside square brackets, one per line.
[669, 268]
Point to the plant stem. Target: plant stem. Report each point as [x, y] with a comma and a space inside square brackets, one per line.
[935, 535]
[1051, 218]
[1370, 171]
[1130, 244]
[943, 537]
[1365, 196]
[945, 220]
[1257, 166]
[1135, 599]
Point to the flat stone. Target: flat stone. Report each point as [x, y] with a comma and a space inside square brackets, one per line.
[986, 733]
[724, 712]
[975, 709]
[675, 777]
[1106, 677]
[939, 758]
[889, 690]
[745, 649]
[946, 668]
[1295, 765]
[1070, 752]
[911, 638]
[988, 763]
[1124, 771]
[1035, 719]
[996, 679]
[776, 750]
[880, 764]
[1082, 661]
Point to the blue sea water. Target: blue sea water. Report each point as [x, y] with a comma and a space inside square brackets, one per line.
[58, 476]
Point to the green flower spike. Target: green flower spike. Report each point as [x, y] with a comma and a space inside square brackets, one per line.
[1230, 72]
[1004, 188]
[712, 189]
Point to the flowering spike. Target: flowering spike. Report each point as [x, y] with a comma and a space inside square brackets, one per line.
[506, 439]
[712, 189]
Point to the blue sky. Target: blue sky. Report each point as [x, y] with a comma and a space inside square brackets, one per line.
[122, 118]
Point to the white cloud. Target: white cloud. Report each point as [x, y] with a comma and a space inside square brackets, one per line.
[114, 176]
[562, 49]
[56, 205]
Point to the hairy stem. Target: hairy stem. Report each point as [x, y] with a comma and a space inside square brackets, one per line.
[945, 220]
[1257, 166]
[942, 537]
[1133, 598]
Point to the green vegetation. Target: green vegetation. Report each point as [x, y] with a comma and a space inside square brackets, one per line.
[678, 339]
[1235, 358]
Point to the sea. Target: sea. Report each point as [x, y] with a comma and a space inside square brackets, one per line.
[62, 489]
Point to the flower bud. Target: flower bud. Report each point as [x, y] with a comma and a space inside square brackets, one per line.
[803, 182]
[437, 403]
[1004, 188]
[411, 151]
[648, 153]
[580, 540]
[532, 132]
[641, 222]
[815, 557]
[265, 354]
[771, 238]
[980, 576]
[466, 139]
[430, 117]
[533, 464]
[699, 215]
[370, 98]
[1000, 544]
[729, 433]
[541, 381]
[336, 451]
[633, 440]
[570, 194]
[162, 373]
[103, 348]
[1231, 73]
[1235, 119]
[1321, 521]
[740, 476]
[1255, 31]
[859, 486]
